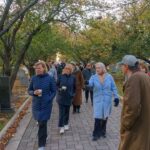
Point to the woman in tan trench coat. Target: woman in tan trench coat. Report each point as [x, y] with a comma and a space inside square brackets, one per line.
[135, 117]
[77, 100]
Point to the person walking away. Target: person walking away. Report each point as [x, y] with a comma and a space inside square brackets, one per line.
[104, 89]
[66, 91]
[42, 88]
[77, 100]
[135, 116]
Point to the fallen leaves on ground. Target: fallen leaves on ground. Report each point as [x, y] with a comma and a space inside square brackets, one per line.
[12, 130]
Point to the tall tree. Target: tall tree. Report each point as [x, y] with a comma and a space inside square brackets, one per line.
[134, 32]
[16, 38]
[5, 23]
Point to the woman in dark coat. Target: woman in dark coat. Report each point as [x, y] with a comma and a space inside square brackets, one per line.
[66, 92]
[43, 89]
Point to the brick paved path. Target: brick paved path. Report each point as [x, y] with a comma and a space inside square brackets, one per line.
[79, 135]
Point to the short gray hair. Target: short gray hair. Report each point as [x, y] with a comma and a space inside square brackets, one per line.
[100, 64]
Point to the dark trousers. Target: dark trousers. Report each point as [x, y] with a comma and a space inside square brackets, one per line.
[42, 133]
[87, 95]
[64, 111]
[99, 127]
[76, 108]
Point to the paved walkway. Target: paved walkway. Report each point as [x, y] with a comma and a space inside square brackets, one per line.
[79, 135]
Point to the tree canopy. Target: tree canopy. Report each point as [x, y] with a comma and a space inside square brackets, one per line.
[83, 30]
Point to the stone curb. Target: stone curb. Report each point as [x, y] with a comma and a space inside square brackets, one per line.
[12, 120]
[14, 142]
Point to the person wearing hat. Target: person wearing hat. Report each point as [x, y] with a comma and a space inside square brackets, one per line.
[135, 116]
[66, 91]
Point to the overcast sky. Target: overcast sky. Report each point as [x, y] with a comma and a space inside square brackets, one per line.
[109, 1]
[113, 3]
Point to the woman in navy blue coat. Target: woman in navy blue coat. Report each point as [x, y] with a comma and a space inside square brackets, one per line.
[66, 92]
[43, 89]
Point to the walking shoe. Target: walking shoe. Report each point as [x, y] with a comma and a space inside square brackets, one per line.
[66, 127]
[62, 130]
[41, 148]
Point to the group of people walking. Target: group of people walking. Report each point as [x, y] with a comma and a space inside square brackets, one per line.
[68, 84]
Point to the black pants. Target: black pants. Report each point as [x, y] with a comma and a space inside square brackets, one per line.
[87, 91]
[76, 108]
[64, 111]
[42, 133]
[100, 127]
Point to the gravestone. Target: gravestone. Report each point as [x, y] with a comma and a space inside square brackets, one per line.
[5, 94]
[22, 82]
[23, 77]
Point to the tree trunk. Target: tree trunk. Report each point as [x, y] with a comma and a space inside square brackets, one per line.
[21, 56]
[16, 17]
[7, 68]
[7, 61]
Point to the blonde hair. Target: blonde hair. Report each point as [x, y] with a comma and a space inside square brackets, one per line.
[42, 63]
[101, 65]
[144, 66]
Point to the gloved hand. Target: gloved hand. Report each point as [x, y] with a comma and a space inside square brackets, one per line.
[116, 102]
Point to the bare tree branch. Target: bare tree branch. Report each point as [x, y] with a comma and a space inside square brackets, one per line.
[22, 55]
[5, 13]
[15, 30]
[17, 16]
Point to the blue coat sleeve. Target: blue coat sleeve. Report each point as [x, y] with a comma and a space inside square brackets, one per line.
[52, 89]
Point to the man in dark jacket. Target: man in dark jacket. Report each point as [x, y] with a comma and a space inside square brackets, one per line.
[87, 73]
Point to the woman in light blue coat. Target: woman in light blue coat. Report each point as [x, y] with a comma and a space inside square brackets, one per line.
[104, 89]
